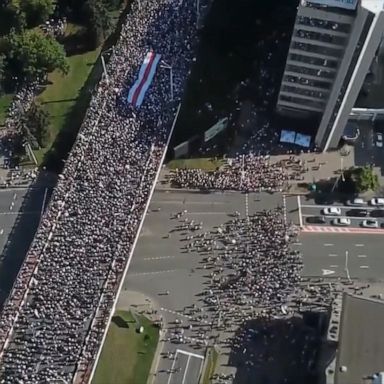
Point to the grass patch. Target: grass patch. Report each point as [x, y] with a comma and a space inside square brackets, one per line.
[60, 96]
[127, 356]
[208, 164]
[5, 102]
[210, 366]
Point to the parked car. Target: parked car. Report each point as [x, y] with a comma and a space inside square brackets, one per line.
[316, 220]
[332, 211]
[357, 212]
[357, 202]
[370, 223]
[379, 139]
[377, 213]
[341, 222]
[377, 201]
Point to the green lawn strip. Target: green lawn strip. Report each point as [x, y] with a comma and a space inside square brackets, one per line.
[208, 164]
[5, 102]
[60, 96]
[210, 366]
[127, 355]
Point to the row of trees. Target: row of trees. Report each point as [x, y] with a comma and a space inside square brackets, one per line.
[26, 52]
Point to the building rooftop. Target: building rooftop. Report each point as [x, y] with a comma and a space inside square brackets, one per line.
[361, 343]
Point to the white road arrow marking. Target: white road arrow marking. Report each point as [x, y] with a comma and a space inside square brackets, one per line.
[327, 272]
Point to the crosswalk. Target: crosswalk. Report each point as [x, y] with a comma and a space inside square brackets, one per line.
[328, 229]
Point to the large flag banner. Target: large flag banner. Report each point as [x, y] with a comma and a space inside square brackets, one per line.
[147, 71]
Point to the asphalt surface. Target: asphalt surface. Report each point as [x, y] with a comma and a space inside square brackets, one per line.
[172, 277]
[20, 212]
[159, 263]
[309, 209]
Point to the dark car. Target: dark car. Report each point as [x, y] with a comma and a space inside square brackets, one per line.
[316, 220]
[357, 212]
[377, 213]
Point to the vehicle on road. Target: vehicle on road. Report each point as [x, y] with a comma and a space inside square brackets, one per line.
[377, 202]
[357, 202]
[332, 211]
[316, 220]
[377, 213]
[357, 212]
[379, 139]
[369, 223]
[341, 222]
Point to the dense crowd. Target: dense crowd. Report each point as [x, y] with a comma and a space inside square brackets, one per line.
[53, 322]
[249, 173]
[251, 266]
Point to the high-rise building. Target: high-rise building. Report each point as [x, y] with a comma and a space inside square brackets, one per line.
[332, 48]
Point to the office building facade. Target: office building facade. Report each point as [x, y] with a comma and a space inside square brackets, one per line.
[332, 47]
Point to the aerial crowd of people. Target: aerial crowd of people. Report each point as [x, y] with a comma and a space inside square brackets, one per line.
[53, 322]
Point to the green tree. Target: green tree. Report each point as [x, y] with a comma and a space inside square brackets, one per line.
[36, 11]
[31, 54]
[364, 179]
[36, 124]
[98, 21]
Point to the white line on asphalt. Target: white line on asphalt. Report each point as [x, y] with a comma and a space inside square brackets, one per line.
[364, 266]
[173, 366]
[190, 354]
[207, 213]
[20, 213]
[338, 206]
[328, 245]
[1, 231]
[154, 202]
[159, 258]
[186, 369]
[182, 315]
[334, 266]
[297, 243]
[332, 255]
[359, 245]
[362, 256]
[151, 273]
[330, 217]
[299, 210]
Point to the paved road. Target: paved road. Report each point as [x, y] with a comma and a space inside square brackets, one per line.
[19, 217]
[325, 254]
[159, 263]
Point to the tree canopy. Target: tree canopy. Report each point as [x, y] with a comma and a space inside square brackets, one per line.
[31, 53]
[364, 179]
[36, 11]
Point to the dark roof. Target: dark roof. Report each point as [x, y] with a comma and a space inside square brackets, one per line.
[361, 342]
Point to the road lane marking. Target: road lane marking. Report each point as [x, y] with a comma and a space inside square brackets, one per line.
[359, 245]
[364, 266]
[151, 273]
[362, 256]
[334, 266]
[186, 370]
[332, 255]
[299, 211]
[327, 272]
[190, 354]
[328, 245]
[297, 243]
[207, 213]
[158, 258]
[189, 317]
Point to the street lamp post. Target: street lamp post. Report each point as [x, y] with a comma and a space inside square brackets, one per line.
[167, 66]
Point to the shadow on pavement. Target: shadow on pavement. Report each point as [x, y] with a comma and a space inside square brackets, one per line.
[22, 234]
[281, 351]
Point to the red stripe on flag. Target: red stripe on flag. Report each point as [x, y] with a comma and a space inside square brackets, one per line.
[144, 79]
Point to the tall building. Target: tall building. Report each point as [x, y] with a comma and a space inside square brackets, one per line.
[332, 48]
